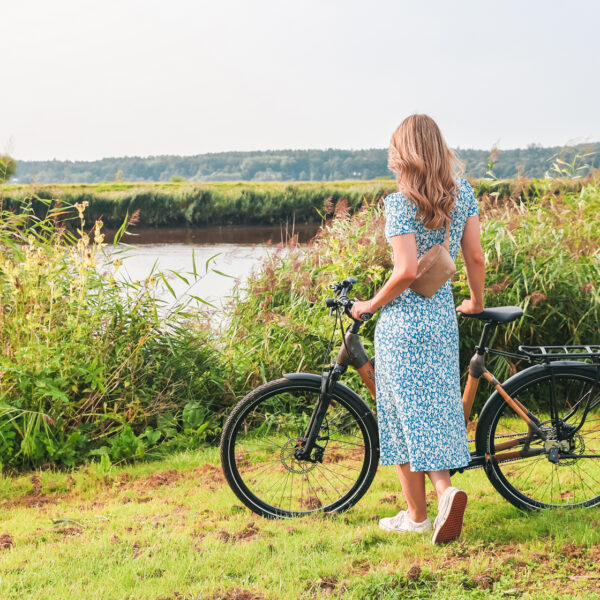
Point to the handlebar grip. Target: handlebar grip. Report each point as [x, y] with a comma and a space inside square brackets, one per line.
[366, 316]
[330, 302]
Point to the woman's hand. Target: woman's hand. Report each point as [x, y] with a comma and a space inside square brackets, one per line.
[360, 308]
[469, 307]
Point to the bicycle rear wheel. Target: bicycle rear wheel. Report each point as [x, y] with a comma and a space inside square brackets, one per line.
[260, 436]
[562, 471]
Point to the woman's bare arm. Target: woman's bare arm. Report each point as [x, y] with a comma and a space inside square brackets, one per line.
[404, 249]
[475, 265]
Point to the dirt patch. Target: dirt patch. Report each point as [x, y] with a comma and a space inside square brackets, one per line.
[327, 584]
[485, 582]
[312, 502]
[249, 532]
[36, 485]
[6, 541]
[210, 475]
[573, 551]
[414, 572]
[162, 478]
[237, 594]
[389, 499]
[30, 501]
[34, 497]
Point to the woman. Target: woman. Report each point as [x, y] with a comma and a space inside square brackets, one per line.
[419, 411]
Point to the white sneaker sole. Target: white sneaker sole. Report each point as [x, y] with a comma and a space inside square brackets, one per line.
[451, 524]
[390, 528]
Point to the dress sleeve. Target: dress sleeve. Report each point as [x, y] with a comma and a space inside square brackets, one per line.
[398, 218]
[472, 208]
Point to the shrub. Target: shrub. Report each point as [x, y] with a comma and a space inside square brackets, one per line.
[90, 363]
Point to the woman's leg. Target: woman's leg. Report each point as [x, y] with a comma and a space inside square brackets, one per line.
[440, 481]
[413, 487]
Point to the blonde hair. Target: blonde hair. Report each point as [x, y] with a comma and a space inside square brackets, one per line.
[425, 168]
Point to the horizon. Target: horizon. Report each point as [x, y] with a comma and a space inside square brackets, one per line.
[457, 149]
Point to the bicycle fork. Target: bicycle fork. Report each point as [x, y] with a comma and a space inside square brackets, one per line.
[351, 353]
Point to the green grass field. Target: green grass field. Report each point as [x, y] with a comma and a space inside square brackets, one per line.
[174, 530]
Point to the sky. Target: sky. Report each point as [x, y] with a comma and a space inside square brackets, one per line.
[86, 79]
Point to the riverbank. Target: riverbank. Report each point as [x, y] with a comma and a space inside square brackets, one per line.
[185, 204]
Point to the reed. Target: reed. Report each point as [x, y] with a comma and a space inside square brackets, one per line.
[541, 254]
[206, 204]
[91, 364]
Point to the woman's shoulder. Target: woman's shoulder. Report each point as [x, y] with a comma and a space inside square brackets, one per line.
[397, 202]
[463, 185]
[397, 199]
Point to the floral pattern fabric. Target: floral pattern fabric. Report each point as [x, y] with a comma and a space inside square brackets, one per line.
[417, 379]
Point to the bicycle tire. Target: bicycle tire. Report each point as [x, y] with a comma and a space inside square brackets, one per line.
[341, 396]
[534, 482]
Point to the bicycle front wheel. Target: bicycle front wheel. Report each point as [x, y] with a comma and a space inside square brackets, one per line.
[564, 469]
[262, 432]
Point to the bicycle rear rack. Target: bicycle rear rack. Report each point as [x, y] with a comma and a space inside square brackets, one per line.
[548, 353]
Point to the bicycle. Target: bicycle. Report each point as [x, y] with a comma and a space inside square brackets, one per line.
[536, 437]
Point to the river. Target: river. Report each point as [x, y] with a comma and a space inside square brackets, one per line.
[236, 251]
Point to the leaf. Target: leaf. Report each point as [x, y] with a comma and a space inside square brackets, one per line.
[194, 270]
[202, 300]
[177, 274]
[162, 276]
[211, 258]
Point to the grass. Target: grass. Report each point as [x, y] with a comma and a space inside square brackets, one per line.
[172, 529]
[249, 203]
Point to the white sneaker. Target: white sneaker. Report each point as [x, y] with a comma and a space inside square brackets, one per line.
[447, 526]
[402, 522]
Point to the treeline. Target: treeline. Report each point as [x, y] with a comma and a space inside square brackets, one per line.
[247, 203]
[294, 165]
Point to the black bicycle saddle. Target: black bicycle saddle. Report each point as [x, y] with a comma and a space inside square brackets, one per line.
[500, 314]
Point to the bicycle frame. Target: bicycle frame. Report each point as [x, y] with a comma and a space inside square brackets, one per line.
[352, 353]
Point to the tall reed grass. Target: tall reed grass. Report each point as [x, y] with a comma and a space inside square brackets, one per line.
[246, 203]
[542, 254]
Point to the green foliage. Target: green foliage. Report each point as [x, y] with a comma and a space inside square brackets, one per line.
[90, 363]
[287, 165]
[8, 167]
[201, 205]
[245, 203]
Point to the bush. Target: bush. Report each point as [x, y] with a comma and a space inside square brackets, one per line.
[91, 364]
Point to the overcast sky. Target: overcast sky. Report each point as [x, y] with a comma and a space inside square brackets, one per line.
[85, 79]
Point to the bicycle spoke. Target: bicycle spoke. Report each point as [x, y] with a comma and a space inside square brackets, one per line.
[571, 480]
[266, 441]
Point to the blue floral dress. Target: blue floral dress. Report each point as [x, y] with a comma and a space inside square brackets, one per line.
[417, 379]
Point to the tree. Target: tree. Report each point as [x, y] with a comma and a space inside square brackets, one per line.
[8, 167]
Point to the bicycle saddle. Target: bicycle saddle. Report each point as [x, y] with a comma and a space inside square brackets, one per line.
[500, 314]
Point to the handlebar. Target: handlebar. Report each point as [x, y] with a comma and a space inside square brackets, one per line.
[341, 291]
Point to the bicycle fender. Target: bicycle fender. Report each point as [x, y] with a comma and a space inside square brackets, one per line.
[340, 388]
[522, 377]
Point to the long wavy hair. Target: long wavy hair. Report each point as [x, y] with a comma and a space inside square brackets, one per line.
[425, 168]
